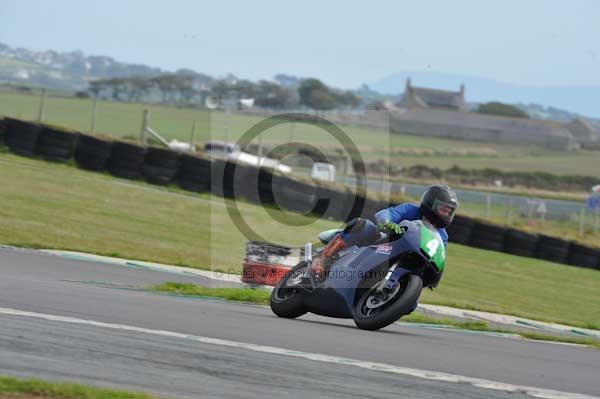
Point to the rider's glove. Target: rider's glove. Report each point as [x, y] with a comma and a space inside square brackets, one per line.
[390, 227]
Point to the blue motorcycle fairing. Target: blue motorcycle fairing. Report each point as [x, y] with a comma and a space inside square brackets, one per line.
[335, 296]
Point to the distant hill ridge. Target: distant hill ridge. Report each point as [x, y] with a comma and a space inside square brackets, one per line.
[73, 70]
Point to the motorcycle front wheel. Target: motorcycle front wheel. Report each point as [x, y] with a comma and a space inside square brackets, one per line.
[377, 309]
[287, 297]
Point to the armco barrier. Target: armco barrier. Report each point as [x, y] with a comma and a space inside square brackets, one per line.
[199, 174]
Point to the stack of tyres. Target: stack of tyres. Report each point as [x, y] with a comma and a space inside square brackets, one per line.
[21, 137]
[487, 236]
[520, 243]
[552, 249]
[265, 183]
[194, 173]
[126, 160]
[358, 206]
[92, 153]
[222, 175]
[371, 207]
[582, 256]
[246, 183]
[56, 145]
[2, 131]
[160, 165]
[330, 203]
[294, 195]
[460, 230]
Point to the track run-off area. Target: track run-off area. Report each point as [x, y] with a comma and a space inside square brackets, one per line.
[68, 320]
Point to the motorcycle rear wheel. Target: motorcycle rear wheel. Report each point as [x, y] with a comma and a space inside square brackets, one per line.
[287, 298]
[374, 310]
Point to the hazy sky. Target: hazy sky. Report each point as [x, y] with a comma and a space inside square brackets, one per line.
[345, 43]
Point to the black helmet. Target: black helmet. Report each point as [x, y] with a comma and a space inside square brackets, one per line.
[438, 205]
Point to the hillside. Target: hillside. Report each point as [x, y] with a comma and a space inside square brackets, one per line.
[69, 71]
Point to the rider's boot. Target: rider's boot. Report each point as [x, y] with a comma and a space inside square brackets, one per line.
[321, 263]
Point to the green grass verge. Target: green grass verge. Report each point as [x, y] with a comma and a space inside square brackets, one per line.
[261, 297]
[123, 119]
[44, 205]
[14, 388]
[258, 296]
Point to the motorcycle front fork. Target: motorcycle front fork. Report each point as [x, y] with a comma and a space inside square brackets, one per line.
[384, 282]
[308, 258]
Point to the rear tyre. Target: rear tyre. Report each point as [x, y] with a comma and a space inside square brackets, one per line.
[375, 310]
[287, 298]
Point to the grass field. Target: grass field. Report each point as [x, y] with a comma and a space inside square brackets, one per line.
[58, 206]
[123, 119]
[14, 388]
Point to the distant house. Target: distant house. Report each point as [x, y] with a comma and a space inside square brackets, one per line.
[425, 98]
[585, 131]
[474, 126]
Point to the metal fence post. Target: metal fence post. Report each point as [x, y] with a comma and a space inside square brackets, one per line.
[597, 220]
[94, 108]
[488, 206]
[509, 212]
[581, 221]
[145, 121]
[42, 110]
[226, 123]
[193, 136]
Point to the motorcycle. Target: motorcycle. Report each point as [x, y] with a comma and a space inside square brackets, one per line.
[375, 285]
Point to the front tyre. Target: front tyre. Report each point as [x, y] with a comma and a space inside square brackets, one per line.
[287, 297]
[375, 310]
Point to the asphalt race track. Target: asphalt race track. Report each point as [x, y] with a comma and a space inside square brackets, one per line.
[70, 320]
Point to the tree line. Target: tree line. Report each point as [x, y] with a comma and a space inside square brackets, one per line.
[284, 92]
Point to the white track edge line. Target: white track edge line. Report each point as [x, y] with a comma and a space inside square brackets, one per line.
[424, 374]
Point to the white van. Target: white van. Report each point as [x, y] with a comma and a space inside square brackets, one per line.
[323, 171]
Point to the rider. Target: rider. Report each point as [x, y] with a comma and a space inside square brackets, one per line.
[437, 208]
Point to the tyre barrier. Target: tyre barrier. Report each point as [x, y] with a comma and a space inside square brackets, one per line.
[194, 173]
[55, 144]
[2, 131]
[92, 153]
[126, 160]
[520, 243]
[294, 195]
[246, 184]
[487, 236]
[332, 204]
[582, 256]
[160, 165]
[21, 137]
[222, 176]
[552, 249]
[460, 230]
